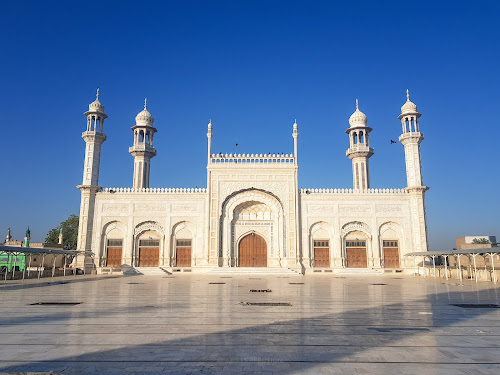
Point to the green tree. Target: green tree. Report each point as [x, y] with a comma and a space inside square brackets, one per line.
[69, 230]
[481, 241]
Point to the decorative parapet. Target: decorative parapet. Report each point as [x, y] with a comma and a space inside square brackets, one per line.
[354, 191]
[246, 159]
[154, 190]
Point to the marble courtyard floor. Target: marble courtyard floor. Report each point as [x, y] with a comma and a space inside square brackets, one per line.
[195, 324]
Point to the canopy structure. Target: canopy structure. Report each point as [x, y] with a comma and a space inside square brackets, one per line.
[41, 251]
[489, 251]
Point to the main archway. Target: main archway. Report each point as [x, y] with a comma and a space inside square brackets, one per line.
[253, 251]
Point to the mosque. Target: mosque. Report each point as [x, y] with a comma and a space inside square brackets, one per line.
[252, 214]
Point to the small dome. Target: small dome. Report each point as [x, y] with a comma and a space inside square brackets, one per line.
[96, 105]
[144, 117]
[409, 106]
[358, 117]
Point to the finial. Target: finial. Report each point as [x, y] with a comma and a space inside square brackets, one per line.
[357, 106]
[97, 95]
[295, 122]
[145, 103]
[210, 123]
[407, 95]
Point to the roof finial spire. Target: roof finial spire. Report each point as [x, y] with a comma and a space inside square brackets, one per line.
[145, 103]
[97, 95]
[407, 95]
[357, 106]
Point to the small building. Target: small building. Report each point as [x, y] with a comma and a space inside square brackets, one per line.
[475, 242]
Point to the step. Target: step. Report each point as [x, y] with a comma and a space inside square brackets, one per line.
[252, 271]
[360, 271]
[145, 271]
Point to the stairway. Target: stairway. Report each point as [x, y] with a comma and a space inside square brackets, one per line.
[145, 271]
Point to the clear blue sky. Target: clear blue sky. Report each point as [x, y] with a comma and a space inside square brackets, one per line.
[252, 67]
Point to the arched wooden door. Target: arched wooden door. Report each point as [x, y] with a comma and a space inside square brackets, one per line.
[253, 251]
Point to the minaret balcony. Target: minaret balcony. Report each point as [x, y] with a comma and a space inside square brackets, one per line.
[359, 150]
[142, 148]
[411, 137]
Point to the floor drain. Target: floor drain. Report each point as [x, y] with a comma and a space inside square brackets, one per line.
[378, 284]
[261, 290]
[296, 283]
[135, 283]
[404, 329]
[265, 304]
[56, 303]
[216, 283]
[476, 305]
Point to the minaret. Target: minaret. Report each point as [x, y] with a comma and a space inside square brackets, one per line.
[27, 239]
[143, 149]
[359, 150]
[94, 138]
[411, 139]
[9, 237]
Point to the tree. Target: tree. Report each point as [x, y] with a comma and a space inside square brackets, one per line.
[481, 241]
[69, 230]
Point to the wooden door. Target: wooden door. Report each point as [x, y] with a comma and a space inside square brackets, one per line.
[183, 253]
[253, 251]
[391, 253]
[149, 256]
[321, 253]
[356, 254]
[114, 257]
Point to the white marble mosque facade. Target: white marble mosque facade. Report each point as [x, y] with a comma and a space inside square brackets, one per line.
[253, 194]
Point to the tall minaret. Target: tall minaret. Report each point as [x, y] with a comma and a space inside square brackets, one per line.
[143, 149]
[359, 150]
[94, 138]
[411, 139]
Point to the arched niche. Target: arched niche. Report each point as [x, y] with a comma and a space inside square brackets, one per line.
[183, 245]
[148, 239]
[114, 231]
[321, 234]
[256, 210]
[356, 244]
[391, 244]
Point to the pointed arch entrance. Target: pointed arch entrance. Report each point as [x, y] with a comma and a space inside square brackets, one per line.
[253, 251]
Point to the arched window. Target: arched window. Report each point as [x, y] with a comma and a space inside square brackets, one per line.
[361, 137]
[355, 138]
[141, 136]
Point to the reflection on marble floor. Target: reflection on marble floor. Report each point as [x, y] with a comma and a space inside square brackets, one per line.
[198, 324]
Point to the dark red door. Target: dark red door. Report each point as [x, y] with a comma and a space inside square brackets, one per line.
[253, 251]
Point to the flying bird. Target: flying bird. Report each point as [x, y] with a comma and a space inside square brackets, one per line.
[393, 142]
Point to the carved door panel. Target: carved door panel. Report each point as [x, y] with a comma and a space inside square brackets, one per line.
[114, 257]
[356, 257]
[149, 256]
[391, 253]
[321, 257]
[253, 251]
[183, 257]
